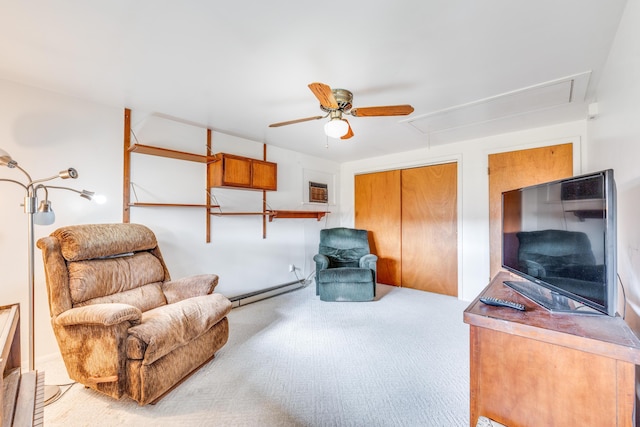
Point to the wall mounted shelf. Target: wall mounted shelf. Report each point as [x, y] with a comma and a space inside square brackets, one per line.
[296, 214]
[240, 173]
[278, 214]
[172, 154]
[169, 205]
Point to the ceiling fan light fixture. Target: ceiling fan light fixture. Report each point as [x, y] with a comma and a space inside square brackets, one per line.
[336, 128]
[338, 102]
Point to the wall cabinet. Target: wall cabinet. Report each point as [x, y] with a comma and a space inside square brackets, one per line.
[228, 170]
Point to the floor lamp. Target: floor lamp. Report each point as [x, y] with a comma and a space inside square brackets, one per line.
[42, 215]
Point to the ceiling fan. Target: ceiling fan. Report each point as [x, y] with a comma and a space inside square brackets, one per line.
[336, 103]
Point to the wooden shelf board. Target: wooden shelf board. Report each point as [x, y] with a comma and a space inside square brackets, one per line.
[173, 154]
[297, 214]
[238, 213]
[278, 214]
[169, 205]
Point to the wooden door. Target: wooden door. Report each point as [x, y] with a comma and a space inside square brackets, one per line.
[516, 169]
[430, 228]
[377, 209]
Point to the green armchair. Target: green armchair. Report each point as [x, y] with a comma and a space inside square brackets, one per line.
[345, 268]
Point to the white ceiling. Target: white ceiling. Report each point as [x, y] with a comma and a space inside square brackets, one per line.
[237, 66]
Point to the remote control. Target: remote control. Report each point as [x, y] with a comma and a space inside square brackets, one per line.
[502, 303]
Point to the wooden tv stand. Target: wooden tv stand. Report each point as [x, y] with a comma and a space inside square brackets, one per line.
[537, 368]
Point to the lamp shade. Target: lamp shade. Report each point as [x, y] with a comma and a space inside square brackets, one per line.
[6, 160]
[69, 173]
[45, 214]
[335, 128]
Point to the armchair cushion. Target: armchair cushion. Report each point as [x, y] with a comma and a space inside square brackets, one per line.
[343, 257]
[103, 240]
[168, 327]
[143, 298]
[102, 277]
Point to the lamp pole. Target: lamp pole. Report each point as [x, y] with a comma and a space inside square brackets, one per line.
[31, 209]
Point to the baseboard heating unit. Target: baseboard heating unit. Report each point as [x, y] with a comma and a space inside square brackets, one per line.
[273, 291]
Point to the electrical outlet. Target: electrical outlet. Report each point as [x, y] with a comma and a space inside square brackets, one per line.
[291, 267]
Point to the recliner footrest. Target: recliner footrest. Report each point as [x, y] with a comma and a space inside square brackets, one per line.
[346, 274]
[346, 284]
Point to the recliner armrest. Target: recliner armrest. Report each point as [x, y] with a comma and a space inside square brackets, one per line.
[189, 287]
[369, 261]
[99, 314]
[322, 261]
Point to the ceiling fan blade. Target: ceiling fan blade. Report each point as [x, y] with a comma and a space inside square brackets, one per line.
[291, 122]
[324, 94]
[390, 110]
[349, 133]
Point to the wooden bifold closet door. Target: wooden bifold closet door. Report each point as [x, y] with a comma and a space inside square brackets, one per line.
[412, 218]
[378, 209]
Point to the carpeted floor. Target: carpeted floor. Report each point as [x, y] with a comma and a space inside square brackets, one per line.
[293, 360]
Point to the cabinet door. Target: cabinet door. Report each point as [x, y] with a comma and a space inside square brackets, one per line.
[529, 382]
[236, 171]
[264, 175]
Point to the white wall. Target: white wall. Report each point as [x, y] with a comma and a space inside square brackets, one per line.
[614, 142]
[47, 132]
[473, 188]
[244, 260]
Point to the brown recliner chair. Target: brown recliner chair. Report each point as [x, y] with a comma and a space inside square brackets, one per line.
[122, 325]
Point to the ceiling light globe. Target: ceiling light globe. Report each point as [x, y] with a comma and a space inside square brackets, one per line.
[335, 128]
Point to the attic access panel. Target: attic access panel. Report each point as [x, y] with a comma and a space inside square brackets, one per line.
[499, 111]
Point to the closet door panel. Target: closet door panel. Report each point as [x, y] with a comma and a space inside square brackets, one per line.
[429, 228]
[377, 209]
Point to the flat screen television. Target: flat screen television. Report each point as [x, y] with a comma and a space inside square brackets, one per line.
[560, 237]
